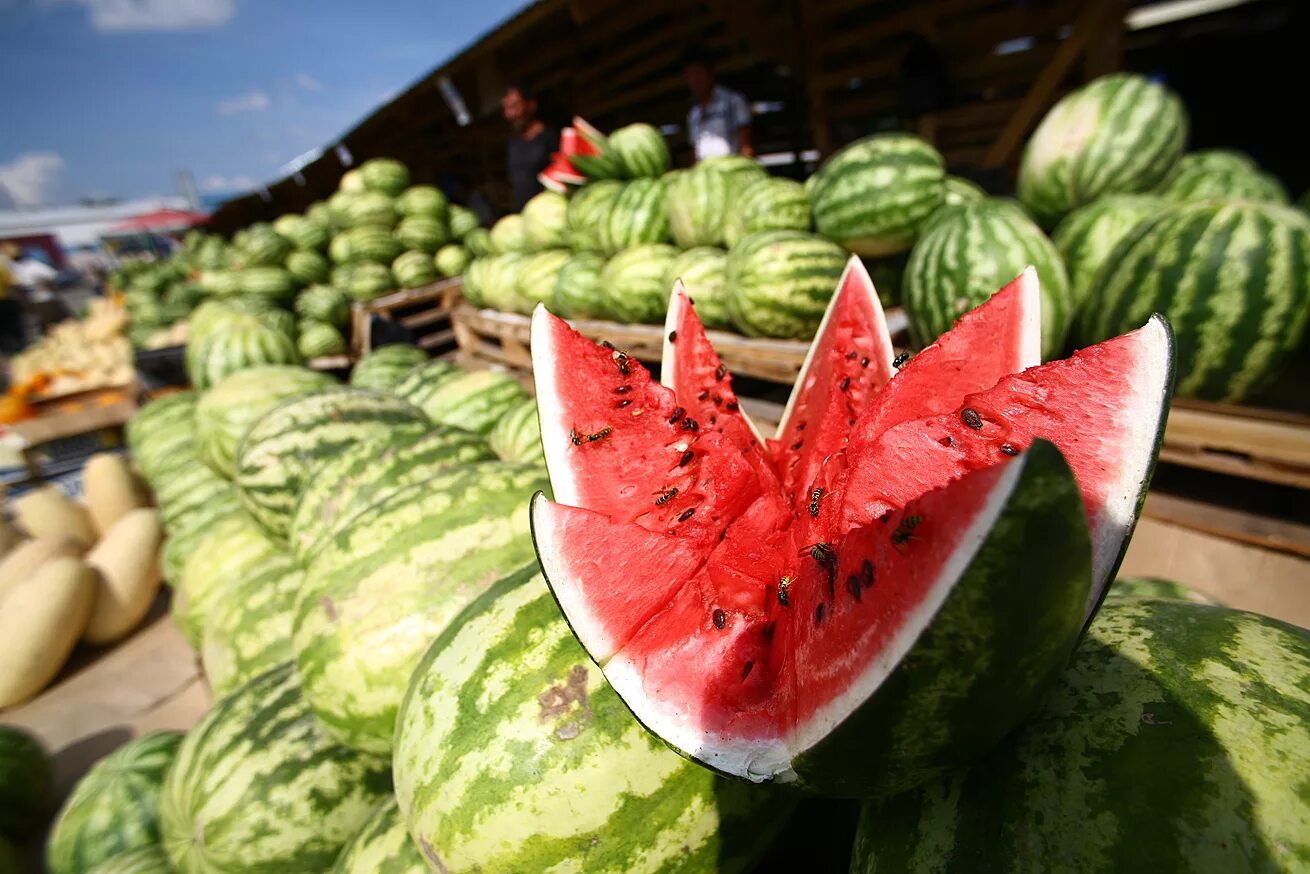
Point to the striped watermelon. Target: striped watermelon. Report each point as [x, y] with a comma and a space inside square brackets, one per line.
[739, 169]
[873, 196]
[232, 549]
[320, 214]
[641, 150]
[516, 436]
[351, 182]
[258, 786]
[382, 846]
[144, 860]
[423, 200]
[287, 442]
[324, 303]
[273, 284]
[365, 474]
[463, 221]
[960, 190]
[316, 339]
[304, 233]
[498, 283]
[414, 270]
[365, 243]
[704, 273]
[417, 383]
[364, 281]
[509, 235]
[114, 808]
[545, 220]
[159, 430]
[226, 411]
[451, 260]
[577, 287]
[636, 217]
[185, 535]
[591, 153]
[697, 207]
[307, 267]
[1119, 134]
[383, 587]
[779, 283]
[767, 204]
[385, 175]
[543, 768]
[588, 212]
[25, 783]
[632, 283]
[471, 286]
[384, 367]
[1087, 236]
[1221, 173]
[472, 401]
[478, 242]
[190, 489]
[248, 628]
[969, 251]
[1153, 587]
[244, 341]
[1232, 279]
[1177, 740]
[535, 281]
[424, 233]
[263, 247]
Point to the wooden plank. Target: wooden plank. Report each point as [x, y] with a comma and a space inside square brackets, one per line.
[57, 425]
[440, 338]
[1267, 445]
[425, 317]
[1265, 532]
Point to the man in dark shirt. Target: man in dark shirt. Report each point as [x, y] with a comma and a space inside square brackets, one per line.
[531, 143]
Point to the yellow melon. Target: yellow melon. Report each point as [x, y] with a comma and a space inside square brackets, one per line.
[110, 489]
[23, 561]
[47, 512]
[41, 619]
[128, 562]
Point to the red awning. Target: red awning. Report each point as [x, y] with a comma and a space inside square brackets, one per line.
[161, 220]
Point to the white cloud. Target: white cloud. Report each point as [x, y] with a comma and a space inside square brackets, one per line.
[308, 82]
[255, 101]
[158, 14]
[31, 179]
[216, 182]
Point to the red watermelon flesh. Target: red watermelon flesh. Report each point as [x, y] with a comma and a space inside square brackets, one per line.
[745, 629]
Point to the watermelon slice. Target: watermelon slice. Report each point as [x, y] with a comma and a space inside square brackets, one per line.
[885, 589]
[590, 152]
[560, 175]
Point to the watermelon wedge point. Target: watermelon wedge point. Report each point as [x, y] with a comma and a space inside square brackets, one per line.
[882, 592]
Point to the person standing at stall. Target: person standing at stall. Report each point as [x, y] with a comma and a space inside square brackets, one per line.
[719, 121]
[531, 143]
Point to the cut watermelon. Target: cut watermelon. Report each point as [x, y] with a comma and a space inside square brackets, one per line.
[888, 589]
[560, 175]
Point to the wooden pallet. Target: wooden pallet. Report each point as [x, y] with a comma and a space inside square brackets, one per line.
[426, 312]
[504, 337]
[1267, 445]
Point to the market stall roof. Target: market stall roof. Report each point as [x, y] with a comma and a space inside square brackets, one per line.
[159, 221]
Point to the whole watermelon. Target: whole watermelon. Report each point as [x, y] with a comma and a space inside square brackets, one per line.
[187, 490]
[1221, 173]
[423, 233]
[414, 270]
[307, 267]
[25, 783]
[233, 549]
[114, 808]
[632, 284]
[387, 584]
[588, 212]
[704, 273]
[364, 281]
[418, 383]
[143, 860]
[968, 252]
[1231, 278]
[315, 339]
[516, 436]
[225, 412]
[636, 217]
[960, 190]
[1167, 708]
[578, 291]
[509, 235]
[498, 285]
[324, 303]
[365, 243]
[544, 220]
[451, 260]
[382, 368]
[263, 247]
[273, 284]
[424, 200]
[641, 150]
[1087, 236]
[351, 182]
[697, 207]
[779, 283]
[245, 341]
[508, 726]
[304, 233]
[1119, 134]
[767, 204]
[462, 221]
[248, 629]
[369, 209]
[382, 846]
[258, 786]
[1154, 587]
[471, 401]
[186, 534]
[385, 175]
[873, 196]
[538, 276]
[478, 242]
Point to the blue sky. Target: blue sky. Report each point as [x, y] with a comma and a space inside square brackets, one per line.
[113, 97]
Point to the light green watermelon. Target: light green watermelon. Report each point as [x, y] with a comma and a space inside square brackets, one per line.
[1154, 587]
[498, 284]
[1221, 173]
[767, 204]
[306, 234]
[244, 342]
[462, 221]
[478, 242]
[632, 283]
[188, 489]
[635, 217]
[248, 629]
[697, 207]
[470, 400]
[779, 283]
[369, 209]
[315, 339]
[418, 383]
[422, 233]
[516, 436]
[509, 235]
[451, 260]
[259, 786]
[414, 270]
[114, 808]
[578, 292]
[588, 212]
[324, 303]
[1087, 236]
[385, 175]
[186, 534]
[382, 368]
[544, 220]
[365, 243]
[382, 846]
[234, 548]
[364, 281]
[273, 284]
[263, 247]
[641, 150]
[424, 200]
[536, 279]
[25, 783]
[960, 190]
[143, 860]
[307, 267]
[704, 273]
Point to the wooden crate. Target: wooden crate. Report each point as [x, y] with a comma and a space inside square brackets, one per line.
[503, 338]
[1268, 445]
[426, 312]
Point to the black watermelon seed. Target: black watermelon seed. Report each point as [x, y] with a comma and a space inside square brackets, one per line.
[623, 403]
[853, 586]
[864, 362]
[678, 413]
[731, 406]
[852, 355]
[686, 458]
[971, 418]
[866, 571]
[702, 396]
[1007, 449]
[845, 383]
[796, 445]
[946, 441]
[721, 371]
[746, 669]
[800, 427]
[767, 630]
[818, 614]
[673, 336]
[717, 400]
[720, 619]
[689, 424]
[686, 514]
[622, 389]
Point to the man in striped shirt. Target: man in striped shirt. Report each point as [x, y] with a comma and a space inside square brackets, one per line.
[719, 122]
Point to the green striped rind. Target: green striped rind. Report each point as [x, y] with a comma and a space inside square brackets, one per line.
[1120, 134]
[588, 210]
[364, 281]
[509, 235]
[636, 217]
[960, 190]
[287, 442]
[578, 290]
[418, 383]
[234, 548]
[478, 242]
[114, 807]
[185, 535]
[514, 754]
[1221, 173]
[325, 303]
[366, 243]
[545, 220]
[190, 489]
[516, 436]
[873, 195]
[767, 204]
[384, 587]
[424, 200]
[422, 233]
[160, 430]
[1233, 278]
[780, 282]
[1154, 587]
[244, 342]
[308, 267]
[248, 629]
[967, 253]
[641, 150]
[385, 175]
[145, 860]
[319, 213]
[463, 221]
[414, 269]
[1087, 236]
[304, 233]
[263, 247]
[498, 284]
[382, 846]
[536, 280]
[1177, 740]
[697, 207]
[369, 209]
[632, 283]
[226, 411]
[259, 786]
[344, 486]
[272, 284]
[452, 260]
[471, 401]
[704, 273]
[383, 368]
[25, 783]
